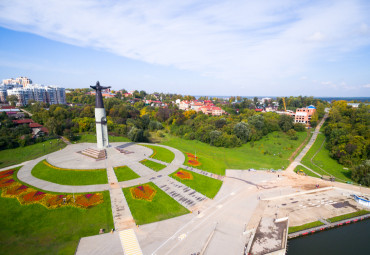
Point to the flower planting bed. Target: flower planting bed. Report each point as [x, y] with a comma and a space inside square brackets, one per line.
[184, 175]
[193, 160]
[29, 195]
[143, 192]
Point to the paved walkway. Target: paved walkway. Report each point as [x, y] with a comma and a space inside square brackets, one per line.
[184, 195]
[122, 216]
[198, 171]
[24, 174]
[300, 156]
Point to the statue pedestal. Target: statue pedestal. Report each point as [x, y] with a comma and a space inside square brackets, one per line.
[94, 153]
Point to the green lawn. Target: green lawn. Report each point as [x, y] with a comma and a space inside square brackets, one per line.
[305, 226]
[348, 216]
[18, 155]
[203, 184]
[272, 151]
[34, 229]
[306, 171]
[162, 207]
[323, 160]
[124, 173]
[152, 165]
[91, 138]
[69, 177]
[161, 153]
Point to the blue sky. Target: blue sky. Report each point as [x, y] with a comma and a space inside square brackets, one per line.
[235, 47]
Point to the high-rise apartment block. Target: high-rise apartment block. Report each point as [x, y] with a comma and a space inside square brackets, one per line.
[24, 81]
[25, 91]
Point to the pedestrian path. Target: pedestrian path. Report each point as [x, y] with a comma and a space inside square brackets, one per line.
[310, 169]
[205, 173]
[24, 174]
[122, 216]
[129, 242]
[300, 156]
[159, 161]
[140, 169]
[184, 195]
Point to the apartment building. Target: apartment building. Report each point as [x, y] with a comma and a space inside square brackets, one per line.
[40, 93]
[23, 81]
[303, 115]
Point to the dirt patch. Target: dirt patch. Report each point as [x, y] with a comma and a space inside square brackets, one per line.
[309, 186]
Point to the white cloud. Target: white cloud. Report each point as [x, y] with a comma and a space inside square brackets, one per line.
[317, 36]
[366, 86]
[237, 41]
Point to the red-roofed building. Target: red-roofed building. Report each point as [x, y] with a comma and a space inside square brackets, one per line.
[34, 125]
[23, 121]
[196, 106]
[212, 110]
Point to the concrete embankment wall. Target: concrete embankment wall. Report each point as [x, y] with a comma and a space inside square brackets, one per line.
[329, 226]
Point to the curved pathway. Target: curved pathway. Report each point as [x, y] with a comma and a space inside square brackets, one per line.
[180, 192]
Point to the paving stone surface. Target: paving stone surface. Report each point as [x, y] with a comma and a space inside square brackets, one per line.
[184, 195]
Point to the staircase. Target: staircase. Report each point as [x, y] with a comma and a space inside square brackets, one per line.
[94, 153]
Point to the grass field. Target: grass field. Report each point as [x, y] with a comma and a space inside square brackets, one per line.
[152, 165]
[323, 160]
[18, 155]
[34, 229]
[203, 184]
[161, 153]
[124, 173]
[306, 171]
[161, 208]
[348, 216]
[272, 151]
[305, 226]
[69, 177]
[91, 138]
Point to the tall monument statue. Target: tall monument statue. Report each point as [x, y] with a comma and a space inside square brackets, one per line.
[100, 118]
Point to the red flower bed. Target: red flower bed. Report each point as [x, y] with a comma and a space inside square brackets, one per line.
[6, 173]
[6, 182]
[184, 175]
[27, 195]
[55, 201]
[193, 160]
[15, 190]
[89, 200]
[33, 196]
[143, 192]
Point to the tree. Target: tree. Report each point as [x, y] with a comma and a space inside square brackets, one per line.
[12, 99]
[215, 138]
[136, 135]
[257, 121]
[292, 134]
[242, 131]
[361, 173]
[285, 122]
[314, 119]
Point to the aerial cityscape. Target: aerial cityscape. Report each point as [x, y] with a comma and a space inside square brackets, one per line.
[225, 127]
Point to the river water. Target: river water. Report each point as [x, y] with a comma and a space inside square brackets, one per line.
[353, 239]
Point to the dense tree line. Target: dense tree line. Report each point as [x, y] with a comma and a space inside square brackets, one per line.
[131, 117]
[348, 138]
[12, 136]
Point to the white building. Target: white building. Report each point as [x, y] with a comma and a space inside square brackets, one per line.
[40, 93]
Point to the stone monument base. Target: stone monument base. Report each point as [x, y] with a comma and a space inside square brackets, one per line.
[94, 153]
